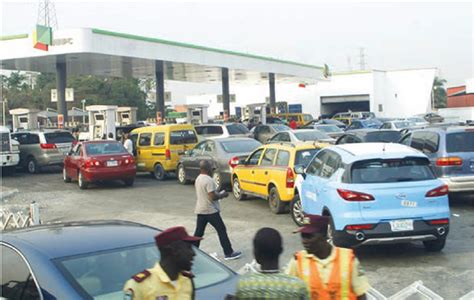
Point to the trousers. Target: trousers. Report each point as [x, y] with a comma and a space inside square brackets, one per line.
[216, 221]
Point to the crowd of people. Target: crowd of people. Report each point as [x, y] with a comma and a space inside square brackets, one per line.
[321, 271]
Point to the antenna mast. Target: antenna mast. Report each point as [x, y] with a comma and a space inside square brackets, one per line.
[47, 14]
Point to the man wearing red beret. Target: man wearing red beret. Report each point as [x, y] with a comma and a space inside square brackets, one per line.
[330, 272]
[169, 279]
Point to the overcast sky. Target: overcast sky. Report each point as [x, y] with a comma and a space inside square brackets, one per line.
[394, 35]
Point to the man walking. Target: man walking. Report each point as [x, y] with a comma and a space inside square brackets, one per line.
[269, 282]
[208, 210]
[169, 279]
[127, 143]
[329, 272]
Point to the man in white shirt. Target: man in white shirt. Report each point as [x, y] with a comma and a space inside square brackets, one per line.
[128, 144]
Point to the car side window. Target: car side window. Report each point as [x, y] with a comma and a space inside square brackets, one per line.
[276, 138]
[209, 148]
[22, 138]
[431, 142]
[255, 157]
[17, 280]
[268, 157]
[331, 164]
[317, 163]
[283, 158]
[77, 151]
[199, 149]
[417, 140]
[145, 139]
[264, 129]
[386, 126]
[159, 139]
[406, 140]
[33, 139]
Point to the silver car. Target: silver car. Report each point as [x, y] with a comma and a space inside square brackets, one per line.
[43, 148]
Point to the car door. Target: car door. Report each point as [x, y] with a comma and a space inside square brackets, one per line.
[264, 133]
[73, 161]
[207, 153]
[191, 162]
[144, 152]
[247, 171]
[311, 203]
[263, 171]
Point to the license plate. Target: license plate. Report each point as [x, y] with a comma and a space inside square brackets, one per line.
[401, 225]
[408, 203]
[112, 163]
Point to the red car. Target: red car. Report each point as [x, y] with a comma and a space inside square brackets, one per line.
[93, 161]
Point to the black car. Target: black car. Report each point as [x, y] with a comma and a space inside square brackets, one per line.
[219, 152]
[370, 136]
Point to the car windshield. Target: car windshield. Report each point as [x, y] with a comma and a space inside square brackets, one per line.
[307, 117]
[417, 120]
[329, 128]
[180, 137]
[303, 157]
[239, 146]
[58, 137]
[280, 128]
[460, 142]
[105, 148]
[237, 129]
[102, 275]
[373, 123]
[391, 170]
[402, 124]
[383, 137]
[331, 121]
[312, 135]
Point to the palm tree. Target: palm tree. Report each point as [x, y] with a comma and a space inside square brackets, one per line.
[439, 93]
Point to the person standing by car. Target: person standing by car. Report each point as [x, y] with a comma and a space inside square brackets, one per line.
[208, 209]
[171, 278]
[269, 282]
[293, 124]
[330, 272]
[127, 143]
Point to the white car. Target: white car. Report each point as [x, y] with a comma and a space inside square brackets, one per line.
[301, 135]
[398, 125]
[222, 130]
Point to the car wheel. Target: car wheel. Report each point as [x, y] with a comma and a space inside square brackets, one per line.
[32, 165]
[81, 181]
[297, 211]
[129, 182]
[237, 191]
[65, 177]
[435, 246]
[159, 172]
[217, 179]
[276, 205]
[182, 175]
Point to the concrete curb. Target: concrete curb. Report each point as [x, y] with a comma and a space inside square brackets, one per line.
[7, 193]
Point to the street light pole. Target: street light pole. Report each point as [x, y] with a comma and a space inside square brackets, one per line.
[83, 101]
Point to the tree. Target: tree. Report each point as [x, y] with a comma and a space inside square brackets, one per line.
[439, 93]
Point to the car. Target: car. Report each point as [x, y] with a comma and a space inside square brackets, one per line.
[331, 130]
[40, 149]
[94, 161]
[92, 260]
[370, 136]
[221, 153]
[451, 152]
[418, 121]
[363, 124]
[254, 121]
[268, 173]
[157, 149]
[299, 118]
[263, 132]
[432, 118]
[301, 135]
[397, 125]
[337, 123]
[222, 130]
[9, 153]
[377, 193]
[121, 130]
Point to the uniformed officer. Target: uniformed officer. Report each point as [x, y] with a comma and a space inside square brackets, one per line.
[169, 279]
[331, 273]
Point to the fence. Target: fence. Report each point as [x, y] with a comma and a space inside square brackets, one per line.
[20, 218]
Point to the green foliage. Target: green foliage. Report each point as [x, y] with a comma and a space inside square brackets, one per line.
[439, 93]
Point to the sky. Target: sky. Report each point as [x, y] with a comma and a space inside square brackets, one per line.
[394, 35]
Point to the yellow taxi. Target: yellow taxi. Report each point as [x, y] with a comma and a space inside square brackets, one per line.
[269, 172]
[300, 118]
[157, 149]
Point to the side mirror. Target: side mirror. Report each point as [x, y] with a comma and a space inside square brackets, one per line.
[188, 152]
[299, 169]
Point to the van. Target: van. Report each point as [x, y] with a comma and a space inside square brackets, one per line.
[301, 119]
[157, 149]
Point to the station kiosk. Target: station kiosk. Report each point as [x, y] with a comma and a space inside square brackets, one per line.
[197, 114]
[24, 118]
[126, 115]
[101, 120]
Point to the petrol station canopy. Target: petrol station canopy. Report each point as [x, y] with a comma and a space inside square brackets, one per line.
[91, 51]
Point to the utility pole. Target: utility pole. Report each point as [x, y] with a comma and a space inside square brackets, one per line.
[47, 14]
[362, 58]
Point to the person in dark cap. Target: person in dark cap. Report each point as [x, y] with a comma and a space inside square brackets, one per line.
[171, 277]
[329, 272]
[269, 282]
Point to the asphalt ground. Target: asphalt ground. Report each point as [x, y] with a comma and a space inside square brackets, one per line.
[389, 268]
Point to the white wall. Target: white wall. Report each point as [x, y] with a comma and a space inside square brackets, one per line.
[470, 86]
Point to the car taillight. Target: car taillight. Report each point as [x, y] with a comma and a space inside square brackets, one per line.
[290, 178]
[48, 146]
[168, 154]
[439, 222]
[128, 161]
[439, 191]
[354, 196]
[449, 161]
[359, 227]
[234, 162]
[91, 163]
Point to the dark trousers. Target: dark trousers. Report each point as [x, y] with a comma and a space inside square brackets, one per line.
[216, 221]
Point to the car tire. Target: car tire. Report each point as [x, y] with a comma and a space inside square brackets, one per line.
[32, 166]
[81, 181]
[182, 175]
[129, 182]
[216, 176]
[330, 231]
[296, 210]
[237, 191]
[435, 245]
[158, 172]
[66, 178]
[276, 205]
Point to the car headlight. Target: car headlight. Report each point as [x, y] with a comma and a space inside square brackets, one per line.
[15, 147]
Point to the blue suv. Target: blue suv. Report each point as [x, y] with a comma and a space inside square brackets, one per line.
[376, 193]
